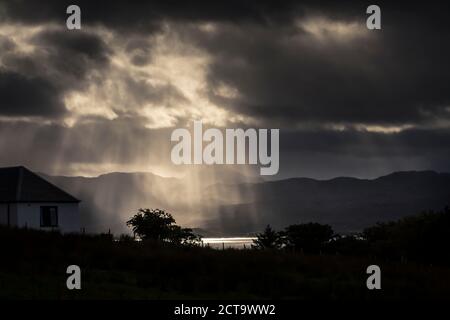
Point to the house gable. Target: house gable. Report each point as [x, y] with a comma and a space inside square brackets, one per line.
[20, 185]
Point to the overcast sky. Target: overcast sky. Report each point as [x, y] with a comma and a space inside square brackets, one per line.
[348, 100]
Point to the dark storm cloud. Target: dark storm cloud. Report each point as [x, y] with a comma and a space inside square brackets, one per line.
[71, 55]
[394, 76]
[284, 74]
[73, 43]
[145, 16]
[34, 84]
[21, 96]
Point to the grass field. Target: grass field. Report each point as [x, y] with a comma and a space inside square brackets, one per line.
[33, 266]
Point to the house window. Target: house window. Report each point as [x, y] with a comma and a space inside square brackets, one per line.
[49, 216]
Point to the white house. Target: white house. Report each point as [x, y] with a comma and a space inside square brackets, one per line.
[28, 200]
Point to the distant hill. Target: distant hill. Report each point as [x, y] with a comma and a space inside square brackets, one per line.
[247, 205]
[348, 204]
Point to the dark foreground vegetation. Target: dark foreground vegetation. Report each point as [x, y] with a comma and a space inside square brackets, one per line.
[411, 254]
[422, 238]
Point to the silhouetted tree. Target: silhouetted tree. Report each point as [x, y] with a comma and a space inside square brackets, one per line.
[152, 224]
[159, 225]
[269, 239]
[309, 237]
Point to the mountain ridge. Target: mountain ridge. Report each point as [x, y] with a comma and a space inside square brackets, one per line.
[347, 203]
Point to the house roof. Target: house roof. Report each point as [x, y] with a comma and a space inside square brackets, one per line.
[18, 184]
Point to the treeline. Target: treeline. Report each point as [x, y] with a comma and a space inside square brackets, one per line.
[421, 238]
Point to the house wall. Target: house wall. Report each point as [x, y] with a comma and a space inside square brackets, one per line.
[29, 215]
[4, 214]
